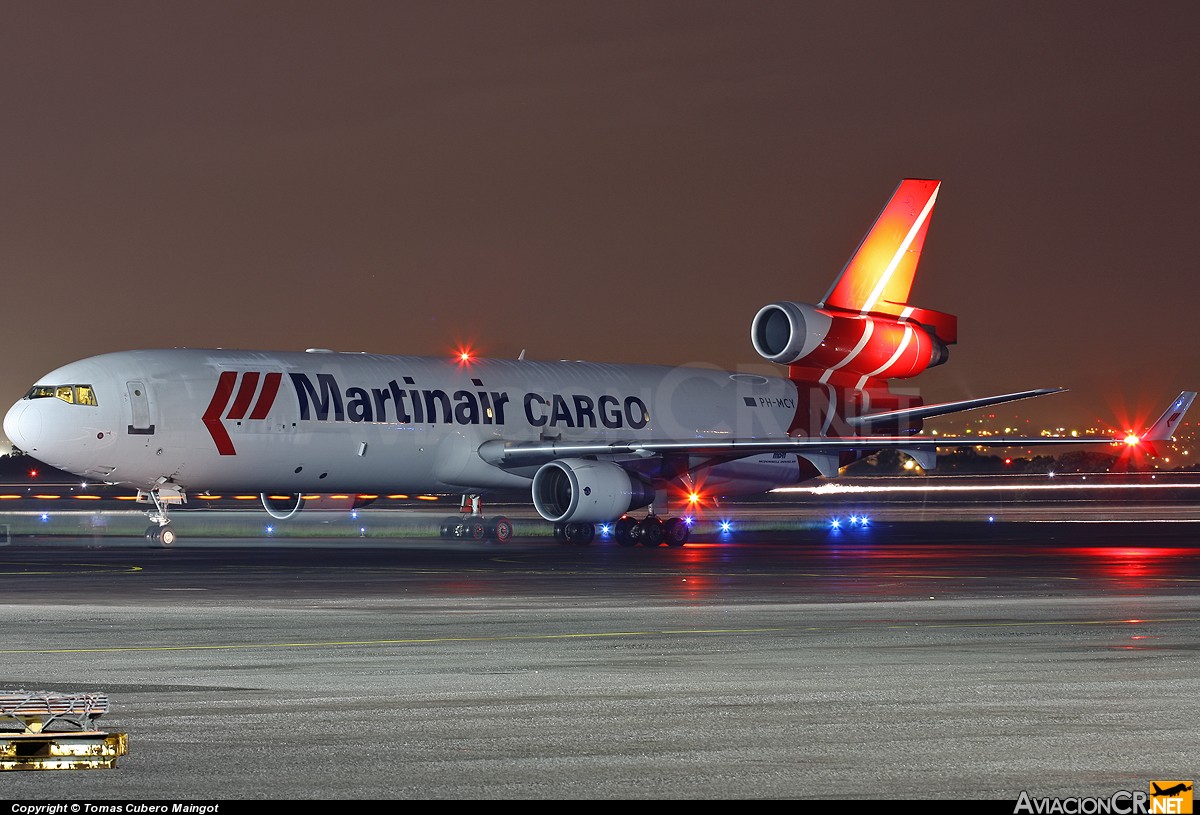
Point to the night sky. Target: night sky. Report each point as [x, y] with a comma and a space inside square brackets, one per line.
[620, 182]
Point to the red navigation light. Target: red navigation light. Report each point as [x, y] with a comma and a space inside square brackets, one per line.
[464, 355]
[33, 473]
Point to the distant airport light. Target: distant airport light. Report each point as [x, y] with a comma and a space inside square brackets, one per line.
[726, 526]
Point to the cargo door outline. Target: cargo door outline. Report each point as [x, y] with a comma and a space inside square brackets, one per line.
[139, 404]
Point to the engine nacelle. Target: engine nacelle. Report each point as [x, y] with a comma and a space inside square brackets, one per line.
[876, 346]
[579, 490]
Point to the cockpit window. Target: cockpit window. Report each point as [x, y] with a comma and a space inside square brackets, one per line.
[71, 394]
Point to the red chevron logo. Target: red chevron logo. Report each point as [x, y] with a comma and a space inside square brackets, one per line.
[215, 414]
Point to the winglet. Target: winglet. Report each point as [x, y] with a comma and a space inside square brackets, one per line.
[1164, 428]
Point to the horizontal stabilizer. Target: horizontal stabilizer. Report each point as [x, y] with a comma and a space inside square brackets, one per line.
[926, 411]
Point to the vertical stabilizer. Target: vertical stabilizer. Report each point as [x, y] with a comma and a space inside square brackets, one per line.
[879, 276]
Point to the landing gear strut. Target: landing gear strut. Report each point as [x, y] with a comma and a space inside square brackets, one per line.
[472, 525]
[159, 533]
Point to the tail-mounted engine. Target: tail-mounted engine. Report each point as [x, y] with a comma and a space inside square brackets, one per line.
[580, 490]
[861, 346]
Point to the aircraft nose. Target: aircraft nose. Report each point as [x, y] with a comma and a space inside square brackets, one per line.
[23, 425]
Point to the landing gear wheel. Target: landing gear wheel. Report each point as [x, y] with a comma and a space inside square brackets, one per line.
[560, 533]
[650, 532]
[501, 529]
[580, 534]
[449, 528]
[675, 532]
[163, 536]
[625, 531]
[475, 530]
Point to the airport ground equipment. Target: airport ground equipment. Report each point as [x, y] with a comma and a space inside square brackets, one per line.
[42, 730]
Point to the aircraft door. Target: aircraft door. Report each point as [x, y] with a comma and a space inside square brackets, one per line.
[139, 403]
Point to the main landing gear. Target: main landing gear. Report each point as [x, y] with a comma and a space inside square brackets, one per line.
[160, 533]
[650, 532]
[472, 525]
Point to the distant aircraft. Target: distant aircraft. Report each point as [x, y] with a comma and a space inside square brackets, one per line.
[1170, 791]
[589, 442]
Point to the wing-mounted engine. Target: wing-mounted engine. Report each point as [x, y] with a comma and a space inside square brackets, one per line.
[845, 348]
[581, 490]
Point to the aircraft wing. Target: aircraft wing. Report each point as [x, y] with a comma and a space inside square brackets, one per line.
[516, 454]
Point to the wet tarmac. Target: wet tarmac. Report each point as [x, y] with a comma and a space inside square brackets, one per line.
[949, 660]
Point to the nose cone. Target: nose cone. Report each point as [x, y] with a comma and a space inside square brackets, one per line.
[23, 425]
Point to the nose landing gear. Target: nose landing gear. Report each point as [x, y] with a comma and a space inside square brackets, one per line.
[160, 533]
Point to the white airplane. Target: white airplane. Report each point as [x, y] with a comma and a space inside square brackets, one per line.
[590, 442]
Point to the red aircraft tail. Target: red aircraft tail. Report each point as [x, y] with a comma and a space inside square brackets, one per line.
[863, 332]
